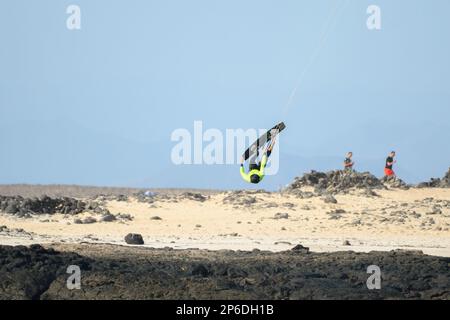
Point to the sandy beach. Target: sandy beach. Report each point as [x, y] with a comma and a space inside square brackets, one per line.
[394, 219]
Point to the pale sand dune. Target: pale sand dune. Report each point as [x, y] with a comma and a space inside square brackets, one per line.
[214, 225]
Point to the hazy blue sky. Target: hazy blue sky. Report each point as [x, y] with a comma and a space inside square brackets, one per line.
[97, 106]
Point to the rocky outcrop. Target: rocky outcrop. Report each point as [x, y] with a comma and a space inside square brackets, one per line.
[153, 197]
[437, 182]
[25, 207]
[118, 272]
[339, 181]
[394, 182]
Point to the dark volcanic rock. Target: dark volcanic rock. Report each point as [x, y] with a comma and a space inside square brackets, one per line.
[89, 220]
[445, 181]
[134, 238]
[27, 273]
[437, 183]
[370, 193]
[108, 218]
[394, 182]
[200, 270]
[281, 215]
[329, 199]
[23, 207]
[124, 216]
[121, 197]
[194, 196]
[11, 208]
[339, 181]
[152, 197]
[301, 249]
[117, 272]
[241, 198]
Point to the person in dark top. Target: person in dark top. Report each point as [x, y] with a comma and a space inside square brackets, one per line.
[388, 171]
[348, 162]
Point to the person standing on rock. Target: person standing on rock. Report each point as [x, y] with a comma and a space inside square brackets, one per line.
[348, 162]
[388, 171]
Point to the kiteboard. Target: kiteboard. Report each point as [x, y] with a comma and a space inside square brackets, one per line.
[266, 137]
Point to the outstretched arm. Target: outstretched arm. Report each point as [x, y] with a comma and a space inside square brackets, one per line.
[269, 148]
[272, 143]
[263, 163]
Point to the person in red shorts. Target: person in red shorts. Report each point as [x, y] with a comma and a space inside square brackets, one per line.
[388, 171]
[348, 162]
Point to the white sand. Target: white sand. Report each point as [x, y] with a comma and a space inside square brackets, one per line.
[226, 227]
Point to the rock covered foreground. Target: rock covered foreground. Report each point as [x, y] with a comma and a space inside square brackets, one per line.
[115, 272]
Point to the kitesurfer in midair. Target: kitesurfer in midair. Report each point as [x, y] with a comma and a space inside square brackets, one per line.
[256, 168]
